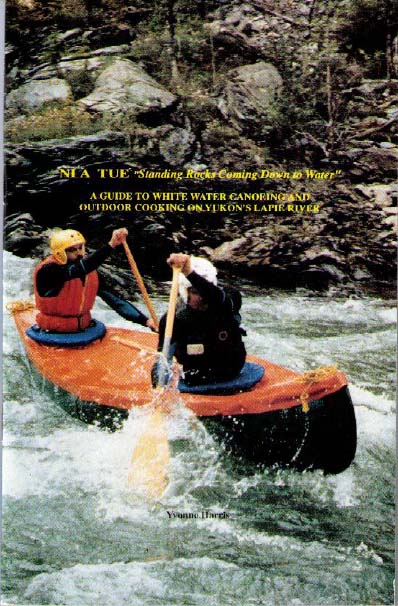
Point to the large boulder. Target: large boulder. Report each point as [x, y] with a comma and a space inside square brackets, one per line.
[176, 145]
[126, 88]
[22, 234]
[31, 96]
[380, 162]
[246, 27]
[250, 94]
[68, 67]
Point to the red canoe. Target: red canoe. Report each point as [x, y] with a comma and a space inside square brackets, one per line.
[108, 377]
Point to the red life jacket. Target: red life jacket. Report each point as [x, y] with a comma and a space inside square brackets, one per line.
[69, 311]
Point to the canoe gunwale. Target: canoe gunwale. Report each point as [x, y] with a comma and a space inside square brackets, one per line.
[92, 379]
[273, 433]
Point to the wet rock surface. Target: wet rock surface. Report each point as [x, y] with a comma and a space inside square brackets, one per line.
[125, 87]
[130, 118]
[248, 97]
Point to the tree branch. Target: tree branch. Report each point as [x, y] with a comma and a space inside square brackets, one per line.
[374, 129]
[322, 146]
[268, 11]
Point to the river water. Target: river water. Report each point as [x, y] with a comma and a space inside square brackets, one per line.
[75, 534]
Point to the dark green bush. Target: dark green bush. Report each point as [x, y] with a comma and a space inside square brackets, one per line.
[368, 31]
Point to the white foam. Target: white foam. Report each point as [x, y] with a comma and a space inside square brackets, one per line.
[345, 489]
[375, 415]
[136, 583]
[389, 316]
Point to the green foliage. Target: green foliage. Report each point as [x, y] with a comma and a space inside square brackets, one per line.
[81, 83]
[189, 50]
[126, 123]
[27, 15]
[367, 32]
[315, 70]
[201, 108]
[368, 22]
[53, 122]
[152, 51]
[316, 61]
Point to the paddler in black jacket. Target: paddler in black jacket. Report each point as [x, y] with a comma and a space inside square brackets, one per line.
[207, 338]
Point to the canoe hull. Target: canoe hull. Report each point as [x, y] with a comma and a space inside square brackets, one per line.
[101, 382]
[323, 438]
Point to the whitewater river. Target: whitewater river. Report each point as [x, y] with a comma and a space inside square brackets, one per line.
[75, 534]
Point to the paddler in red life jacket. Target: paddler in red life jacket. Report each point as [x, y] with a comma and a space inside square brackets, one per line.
[66, 284]
[207, 338]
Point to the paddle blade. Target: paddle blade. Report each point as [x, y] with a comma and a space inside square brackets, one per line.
[148, 473]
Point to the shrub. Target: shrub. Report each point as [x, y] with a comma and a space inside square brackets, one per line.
[53, 122]
[368, 32]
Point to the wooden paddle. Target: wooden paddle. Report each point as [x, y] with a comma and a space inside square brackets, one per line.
[148, 472]
[141, 284]
[168, 332]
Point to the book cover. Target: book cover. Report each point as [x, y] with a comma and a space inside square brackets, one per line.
[262, 137]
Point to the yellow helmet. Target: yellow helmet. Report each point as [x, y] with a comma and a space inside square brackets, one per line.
[63, 239]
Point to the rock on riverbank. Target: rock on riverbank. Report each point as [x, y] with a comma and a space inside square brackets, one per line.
[95, 95]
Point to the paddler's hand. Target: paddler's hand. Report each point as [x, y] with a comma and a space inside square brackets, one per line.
[118, 237]
[182, 261]
[151, 324]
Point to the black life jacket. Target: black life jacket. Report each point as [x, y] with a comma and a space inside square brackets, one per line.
[209, 343]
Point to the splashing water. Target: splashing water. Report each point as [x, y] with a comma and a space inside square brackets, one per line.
[224, 532]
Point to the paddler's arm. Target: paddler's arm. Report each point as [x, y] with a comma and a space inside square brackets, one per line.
[215, 296]
[229, 301]
[52, 276]
[125, 309]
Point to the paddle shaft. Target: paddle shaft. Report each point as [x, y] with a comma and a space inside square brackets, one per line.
[151, 456]
[140, 283]
[169, 326]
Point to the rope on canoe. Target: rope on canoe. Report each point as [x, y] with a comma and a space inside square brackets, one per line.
[15, 306]
[134, 345]
[309, 378]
